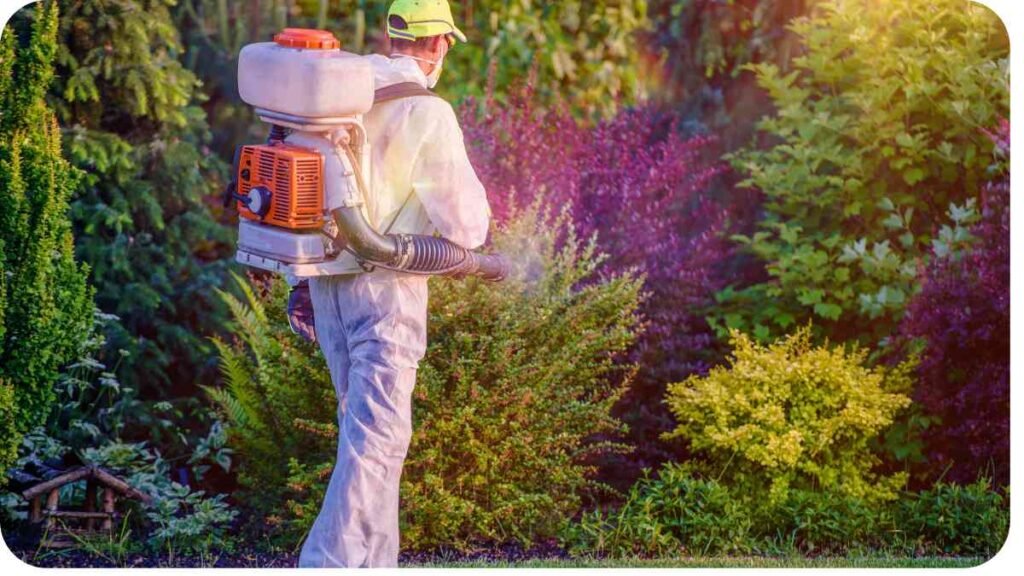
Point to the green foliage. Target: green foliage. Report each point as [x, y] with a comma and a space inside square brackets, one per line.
[517, 381]
[814, 522]
[703, 47]
[186, 522]
[91, 422]
[512, 399]
[675, 513]
[792, 416]
[681, 512]
[583, 48]
[144, 221]
[955, 519]
[272, 381]
[45, 301]
[8, 449]
[878, 132]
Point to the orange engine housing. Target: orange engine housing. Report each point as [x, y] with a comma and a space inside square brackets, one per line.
[294, 177]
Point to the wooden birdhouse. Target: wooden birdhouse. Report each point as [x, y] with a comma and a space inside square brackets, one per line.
[97, 514]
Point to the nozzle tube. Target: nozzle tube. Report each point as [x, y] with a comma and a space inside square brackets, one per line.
[414, 253]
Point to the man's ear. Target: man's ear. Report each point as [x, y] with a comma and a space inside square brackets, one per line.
[435, 46]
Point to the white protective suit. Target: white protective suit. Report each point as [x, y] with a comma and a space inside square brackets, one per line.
[372, 326]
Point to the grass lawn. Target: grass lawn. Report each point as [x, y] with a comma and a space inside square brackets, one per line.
[722, 562]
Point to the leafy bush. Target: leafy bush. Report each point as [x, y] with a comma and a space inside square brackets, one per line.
[791, 416]
[186, 522]
[675, 513]
[642, 188]
[960, 324]
[683, 512]
[816, 522]
[954, 519]
[144, 221]
[518, 380]
[45, 300]
[884, 105]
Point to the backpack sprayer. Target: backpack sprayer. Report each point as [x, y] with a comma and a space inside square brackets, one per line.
[314, 97]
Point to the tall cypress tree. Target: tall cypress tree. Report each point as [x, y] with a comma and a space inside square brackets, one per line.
[46, 309]
[145, 221]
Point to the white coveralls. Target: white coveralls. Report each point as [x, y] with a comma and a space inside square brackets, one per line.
[372, 327]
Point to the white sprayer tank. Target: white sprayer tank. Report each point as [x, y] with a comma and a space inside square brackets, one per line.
[304, 74]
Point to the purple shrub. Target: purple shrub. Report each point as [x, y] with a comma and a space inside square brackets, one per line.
[963, 316]
[646, 191]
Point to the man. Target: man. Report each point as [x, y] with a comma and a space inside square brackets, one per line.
[372, 326]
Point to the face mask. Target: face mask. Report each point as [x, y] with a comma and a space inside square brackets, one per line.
[435, 74]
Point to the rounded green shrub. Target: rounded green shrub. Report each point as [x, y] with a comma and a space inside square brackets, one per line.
[791, 415]
[512, 401]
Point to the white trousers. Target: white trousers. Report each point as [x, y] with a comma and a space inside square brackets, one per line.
[372, 330]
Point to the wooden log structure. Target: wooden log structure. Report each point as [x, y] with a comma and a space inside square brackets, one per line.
[52, 500]
[100, 485]
[90, 502]
[108, 508]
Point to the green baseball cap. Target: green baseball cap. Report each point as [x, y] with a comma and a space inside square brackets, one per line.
[424, 18]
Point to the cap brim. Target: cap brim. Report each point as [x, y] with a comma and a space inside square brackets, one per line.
[458, 34]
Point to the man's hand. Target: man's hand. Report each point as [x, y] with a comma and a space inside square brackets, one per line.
[300, 312]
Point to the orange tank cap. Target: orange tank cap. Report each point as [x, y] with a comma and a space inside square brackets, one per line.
[307, 39]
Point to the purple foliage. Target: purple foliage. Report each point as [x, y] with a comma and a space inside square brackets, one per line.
[963, 313]
[645, 190]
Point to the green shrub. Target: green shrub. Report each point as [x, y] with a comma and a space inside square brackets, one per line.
[45, 300]
[187, 522]
[790, 415]
[822, 523]
[878, 134]
[145, 221]
[8, 431]
[953, 519]
[675, 513]
[682, 512]
[516, 387]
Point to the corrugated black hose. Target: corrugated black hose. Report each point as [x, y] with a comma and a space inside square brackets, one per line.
[415, 253]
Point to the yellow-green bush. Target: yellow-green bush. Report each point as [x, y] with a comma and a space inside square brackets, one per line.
[791, 415]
